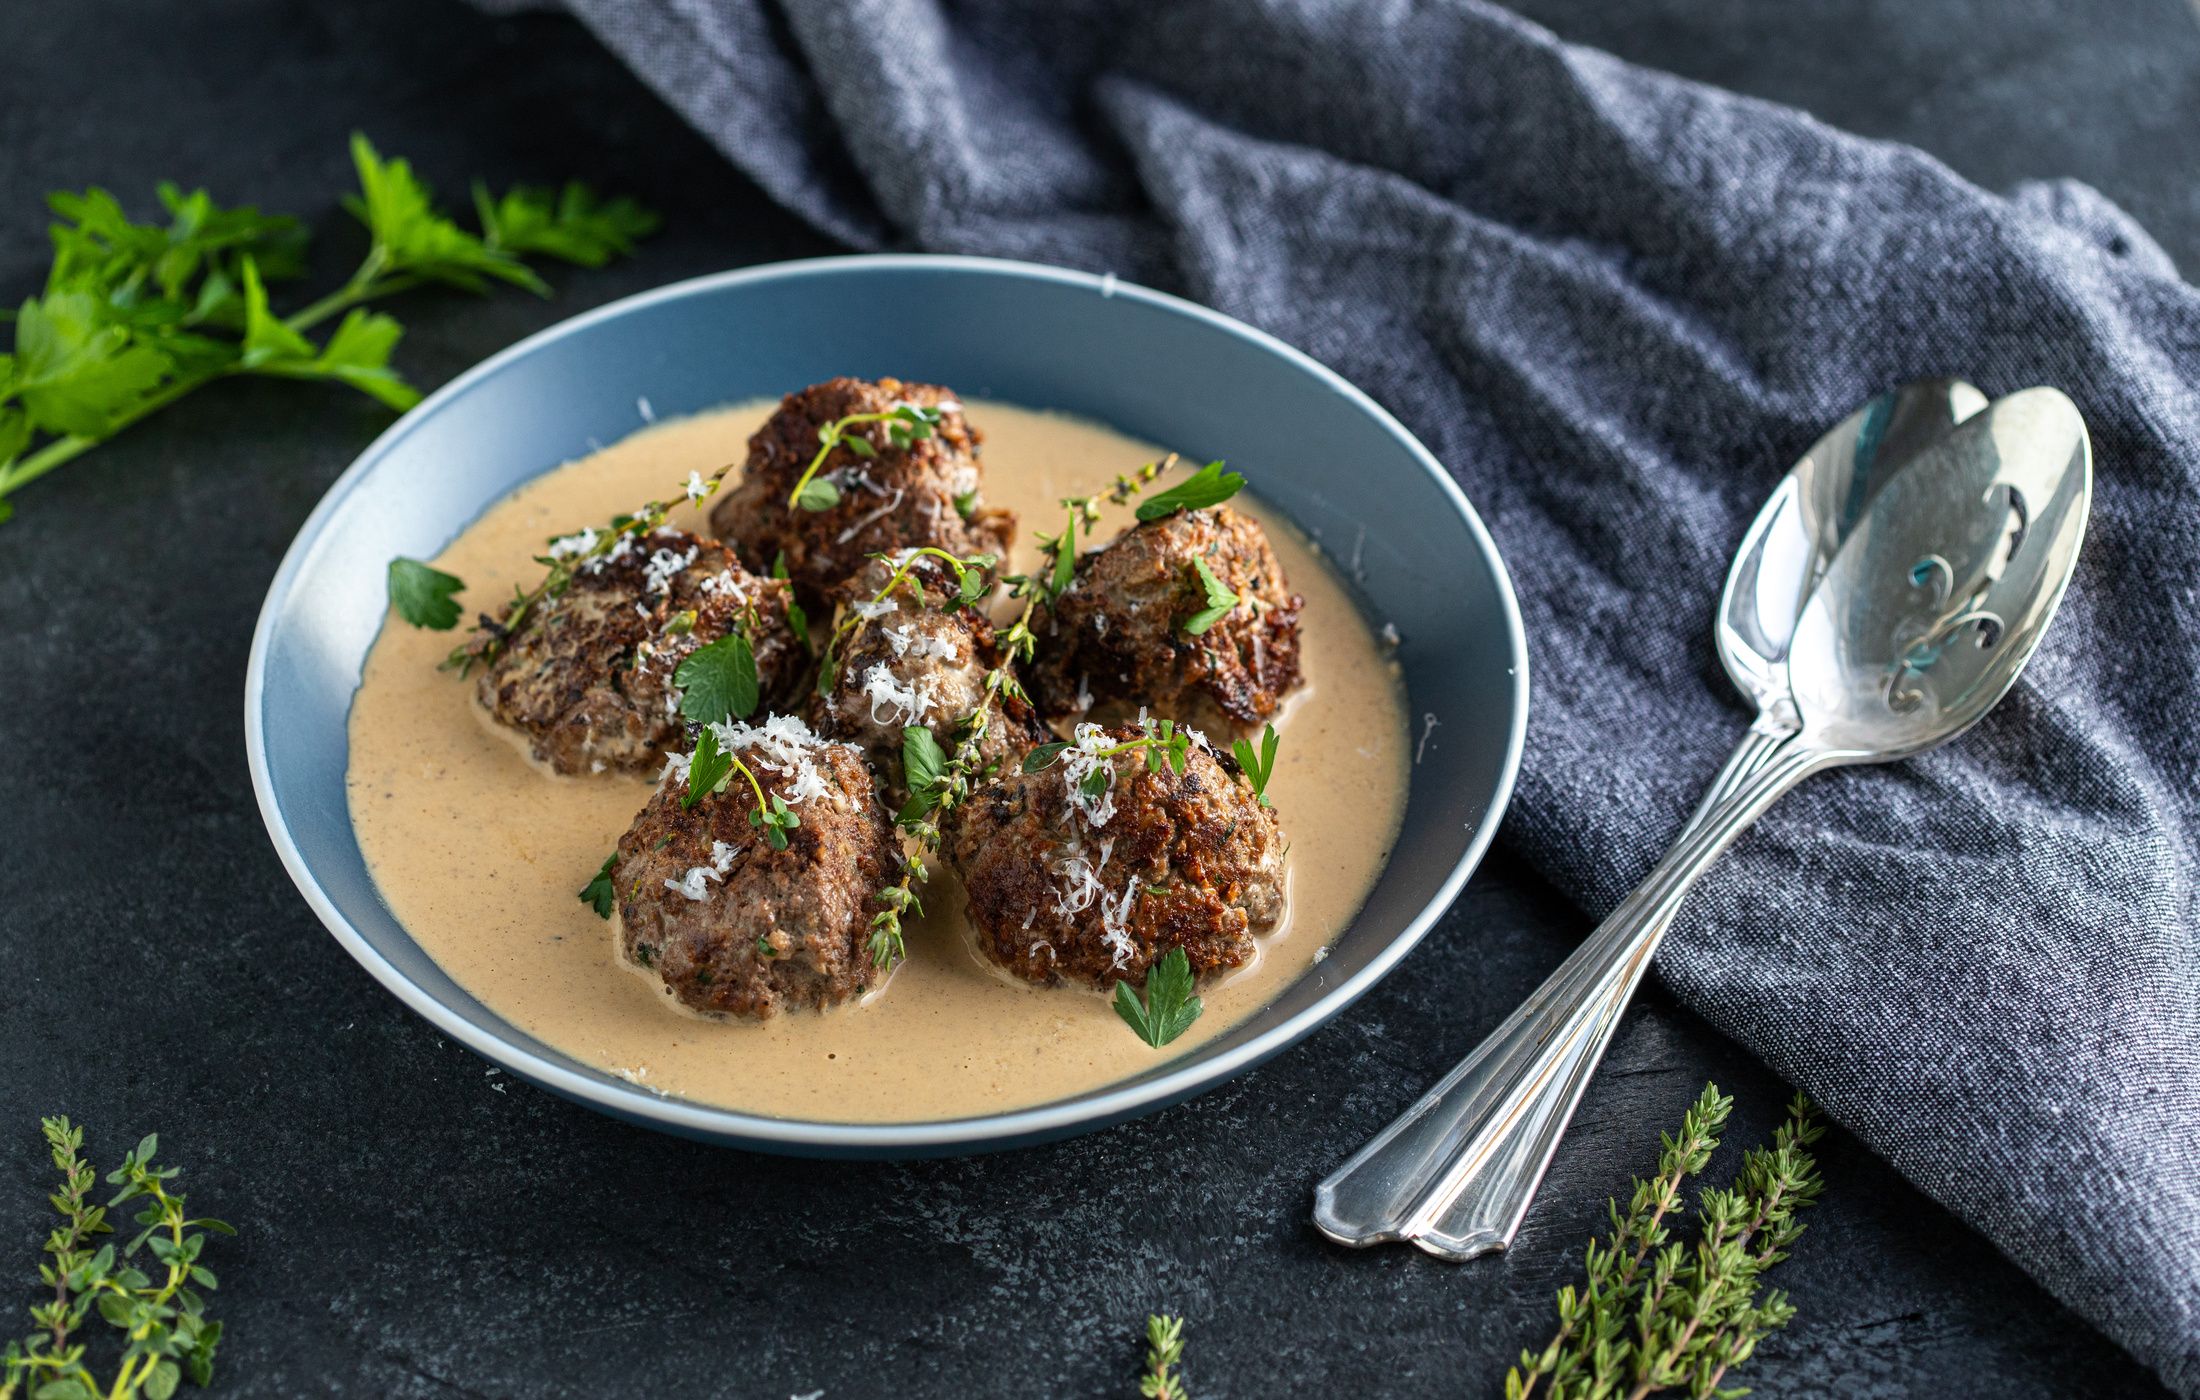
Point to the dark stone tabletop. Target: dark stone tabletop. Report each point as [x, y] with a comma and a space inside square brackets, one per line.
[415, 1226]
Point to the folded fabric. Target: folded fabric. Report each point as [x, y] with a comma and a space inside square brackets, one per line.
[1617, 305]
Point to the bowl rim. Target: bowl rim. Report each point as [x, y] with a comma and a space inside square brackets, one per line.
[1091, 1110]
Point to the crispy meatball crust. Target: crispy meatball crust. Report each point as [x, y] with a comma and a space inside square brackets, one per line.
[588, 675]
[773, 929]
[1185, 860]
[1117, 636]
[915, 661]
[896, 499]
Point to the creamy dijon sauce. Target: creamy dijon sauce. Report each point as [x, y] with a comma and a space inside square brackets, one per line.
[480, 852]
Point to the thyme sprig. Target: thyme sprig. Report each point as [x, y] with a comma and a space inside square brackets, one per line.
[906, 424]
[1654, 1314]
[163, 1323]
[135, 316]
[1164, 1352]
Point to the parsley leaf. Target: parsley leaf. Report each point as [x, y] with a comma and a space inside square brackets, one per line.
[707, 769]
[412, 239]
[1208, 486]
[1257, 767]
[922, 762]
[1169, 1008]
[600, 893]
[423, 596]
[572, 224]
[1219, 601]
[718, 680]
[136, 315]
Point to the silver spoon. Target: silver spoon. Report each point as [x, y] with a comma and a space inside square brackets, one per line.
[1782, 556]
[1921, 622]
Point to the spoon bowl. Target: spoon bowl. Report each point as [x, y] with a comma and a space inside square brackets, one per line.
[1942, 590]
[1803, 523]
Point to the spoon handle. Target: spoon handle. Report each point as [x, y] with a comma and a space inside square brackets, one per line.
[1456, 1172]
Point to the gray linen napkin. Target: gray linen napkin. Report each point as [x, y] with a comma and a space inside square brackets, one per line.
[1617, 304]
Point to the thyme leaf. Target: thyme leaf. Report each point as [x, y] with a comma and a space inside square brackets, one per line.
[1164, 1350]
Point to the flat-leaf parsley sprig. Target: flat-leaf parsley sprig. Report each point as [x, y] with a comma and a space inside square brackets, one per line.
[906, 425]
[1656, 1314]
[713, 765]
[1168, 1008]
[165, 1332]
[134, 316]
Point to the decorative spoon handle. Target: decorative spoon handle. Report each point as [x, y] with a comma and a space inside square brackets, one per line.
[1456, 1172]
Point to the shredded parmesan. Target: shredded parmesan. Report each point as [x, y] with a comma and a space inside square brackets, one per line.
[663, 565]
[697, 488]
[905, 703]
[850, 533]
[1115, 922]
[567, 546]
[871, 608]
[723, 582]
[913, 642]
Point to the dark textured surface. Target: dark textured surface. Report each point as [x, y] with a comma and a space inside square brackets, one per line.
[413, 1227]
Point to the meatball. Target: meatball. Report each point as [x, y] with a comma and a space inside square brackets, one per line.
[1069, 882]
[894, 498]
[915, 657]
[1116, 640]
[588, 674]
[734, 927]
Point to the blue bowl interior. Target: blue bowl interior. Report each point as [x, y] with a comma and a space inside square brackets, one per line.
[1148, 365]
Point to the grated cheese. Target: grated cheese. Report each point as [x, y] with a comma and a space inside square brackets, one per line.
[906, 703]
[850, 533]
[567, 546]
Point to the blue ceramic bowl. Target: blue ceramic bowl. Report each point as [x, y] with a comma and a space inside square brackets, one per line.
[1149, 365]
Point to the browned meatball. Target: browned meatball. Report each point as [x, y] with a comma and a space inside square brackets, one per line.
[589, 674]
[1116, 640]
[917, 658]
[732, 926]
[1069, 887]
[897, 498]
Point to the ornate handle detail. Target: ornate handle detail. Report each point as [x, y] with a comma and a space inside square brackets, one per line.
[1456, 1172]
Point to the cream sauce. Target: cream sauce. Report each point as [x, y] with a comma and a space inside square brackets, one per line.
[480, 853]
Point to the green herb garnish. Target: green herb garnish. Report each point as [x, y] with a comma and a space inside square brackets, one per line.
[1164, 1350]
[718, 680]
[1219, 601]
[1208, 486]
[709, 768]
[922, 762]
[1257, 767]
[906, 423]
[1168, 1008]
[134, 316]
[1656, 1314]
[165, 1331]
[424, 596]
[600, 894]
